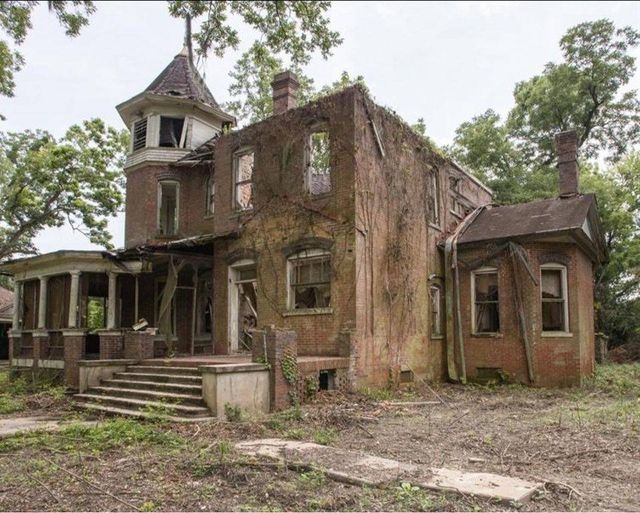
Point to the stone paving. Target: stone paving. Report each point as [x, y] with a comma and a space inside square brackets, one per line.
[19, 425]
[364, 469]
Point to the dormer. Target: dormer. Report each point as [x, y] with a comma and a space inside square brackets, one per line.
[173, 115]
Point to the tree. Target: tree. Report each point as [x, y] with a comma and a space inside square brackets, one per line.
[15, 21]
[45, 183]
[295, 28]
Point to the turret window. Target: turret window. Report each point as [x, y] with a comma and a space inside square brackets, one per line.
[172, 132]
[139, 134]
[168, 192]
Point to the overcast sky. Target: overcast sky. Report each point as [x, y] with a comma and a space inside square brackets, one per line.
[445, 62]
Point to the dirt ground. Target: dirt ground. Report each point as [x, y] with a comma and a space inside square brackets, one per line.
[583, 443]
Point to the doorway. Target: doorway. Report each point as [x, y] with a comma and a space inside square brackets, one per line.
[243, 309]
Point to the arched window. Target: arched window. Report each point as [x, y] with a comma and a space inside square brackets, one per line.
[485, 308]
[309, 279]
[553, 296]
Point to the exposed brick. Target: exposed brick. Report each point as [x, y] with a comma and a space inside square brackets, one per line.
[74, 344]
[138, 345]
[111, 345]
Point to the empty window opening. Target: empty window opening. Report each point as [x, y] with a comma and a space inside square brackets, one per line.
[327, 379]
[310, 280]
[96, 313]
[205, 304]
[436, 311]
[211, 196]
[318, 172]
[168, 208]
[486, 311]
[434, 198]
[243, 171]
[139, 134]
[247, 293]
[554, 298]
[407, 376]
[171, 132]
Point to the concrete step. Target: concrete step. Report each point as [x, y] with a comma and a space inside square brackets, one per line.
[140, 404]
[159, 378]
[172, 388]
[164, 369]
[148, 395]
[125, 412]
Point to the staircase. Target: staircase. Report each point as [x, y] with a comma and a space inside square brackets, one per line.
[174, 393]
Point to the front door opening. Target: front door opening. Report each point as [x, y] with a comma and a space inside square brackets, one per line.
[243, 295]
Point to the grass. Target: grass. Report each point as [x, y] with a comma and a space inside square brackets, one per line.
[17, 393]
[616, 380]
[111, 434]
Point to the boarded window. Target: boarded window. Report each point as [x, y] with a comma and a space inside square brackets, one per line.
[318, 173]
[310, 280]
[434, 198]
[554, 301]
[243, 165]
[168, 208]
[436, 311]
[486, 302]
[171, 132]
[211, 196]
[139, 134]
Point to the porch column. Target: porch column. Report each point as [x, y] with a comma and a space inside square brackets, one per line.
[111, 306]
[136, 309]
[73, 299]
[17, 304]
[42, 303]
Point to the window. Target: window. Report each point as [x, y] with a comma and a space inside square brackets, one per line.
[318, 172]
[168, 208]
[211, 196]
[205, 303]
[434, 198]
[436, 311]
[310, 280]
[139, 134]
[485, 311]
[171, 132]
[243, 171]
[96, 313]
[553, 285]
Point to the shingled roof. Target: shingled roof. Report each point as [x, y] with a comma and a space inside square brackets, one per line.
[539, 219]
[181, 79]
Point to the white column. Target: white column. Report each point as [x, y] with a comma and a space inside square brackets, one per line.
[17, 304]
[42, 303]
[73, 299]
[111, 306]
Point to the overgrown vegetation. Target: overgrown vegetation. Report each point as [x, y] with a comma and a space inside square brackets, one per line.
[19, 393]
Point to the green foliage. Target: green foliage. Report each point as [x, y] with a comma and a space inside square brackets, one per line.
[289, 365]
[325, 436]
[311, 386]
[96, 313]
[616, 380]
[232, 413]
[314, 478]
[16, 393]
[413, 498]
[15, 22]
[295, 28]
[376, 394]
[46, 182]
[587, 92]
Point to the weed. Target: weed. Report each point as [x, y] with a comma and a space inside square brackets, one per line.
[377, 394]
[232, 413]
[296, 434]
[617, 380]
[11, 404]
[313, 478]
[325, 436]
[412, 498]
[148, 506]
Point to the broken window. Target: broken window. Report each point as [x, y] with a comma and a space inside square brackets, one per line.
[211, 196]
[171, 132]
[486, 311]
[168, 208]
[436, 311]
[318, 172]
[139, 139]
[554, 298]
[243, 171]
[434, 198]
[310, 280]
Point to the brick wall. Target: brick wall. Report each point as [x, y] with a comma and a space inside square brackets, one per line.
[74, 344]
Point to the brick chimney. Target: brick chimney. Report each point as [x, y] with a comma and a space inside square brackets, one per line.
[285, 92]
[567, 152]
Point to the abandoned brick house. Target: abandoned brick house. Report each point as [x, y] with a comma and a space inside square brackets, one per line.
[332, 229]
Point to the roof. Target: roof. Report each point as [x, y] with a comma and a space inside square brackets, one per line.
[536, 218]
[181, 79]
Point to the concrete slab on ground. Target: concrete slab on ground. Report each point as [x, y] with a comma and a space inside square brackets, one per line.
[20, 425]
[364, 469]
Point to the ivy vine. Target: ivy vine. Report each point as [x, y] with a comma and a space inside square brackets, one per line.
[289, 366]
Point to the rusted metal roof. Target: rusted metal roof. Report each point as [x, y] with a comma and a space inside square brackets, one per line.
[181, 79]
[533, 218]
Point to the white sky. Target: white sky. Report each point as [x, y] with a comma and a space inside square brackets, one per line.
[445, 62]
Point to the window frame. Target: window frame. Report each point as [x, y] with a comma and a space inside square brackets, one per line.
[554, 266]
[210, 197]
[316, 129]
[474, 274]
[305, 254]
[237, 155]
[183, 132]
[434, 197]
[159, 207]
